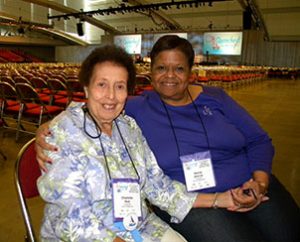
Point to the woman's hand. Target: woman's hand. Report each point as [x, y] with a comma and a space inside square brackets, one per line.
[247, 197]
[41, 144]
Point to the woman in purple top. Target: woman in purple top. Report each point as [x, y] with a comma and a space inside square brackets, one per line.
[204, 139]
[214, 122]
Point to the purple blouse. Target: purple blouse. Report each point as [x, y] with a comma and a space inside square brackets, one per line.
[237, 143]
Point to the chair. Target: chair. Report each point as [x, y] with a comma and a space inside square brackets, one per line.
[26, 174]
[21, 79]
[8, 79]
[59, 77]
[10, 106]
[40, 85]
[42, 75]
[142, 79]
[142, 83]
[32, 106]
[76, 90]
[59, 92]
[28, 76]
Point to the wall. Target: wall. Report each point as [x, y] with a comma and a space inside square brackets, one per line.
[255, 51]
[73, 54]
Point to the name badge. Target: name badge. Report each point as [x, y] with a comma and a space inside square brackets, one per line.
[198, 171]
[126, 202]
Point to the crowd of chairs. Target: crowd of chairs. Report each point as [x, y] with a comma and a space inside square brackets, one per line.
[16, 56]
[7, 55]
[284, 73]
[227, 77]
[222, 76]
[32, 96]
[39, 91]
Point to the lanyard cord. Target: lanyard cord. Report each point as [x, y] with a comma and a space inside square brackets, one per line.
[105, 158]
[85, 111]
[131, 160]
[201, 120]
[173, 129]
[99, 133]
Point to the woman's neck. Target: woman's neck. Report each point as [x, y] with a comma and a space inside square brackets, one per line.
[195, 91]
[106, 128]
[190, 94]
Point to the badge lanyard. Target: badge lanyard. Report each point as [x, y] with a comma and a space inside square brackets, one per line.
[125, 191]
[98, 136]
[197, 167]
[173, 129]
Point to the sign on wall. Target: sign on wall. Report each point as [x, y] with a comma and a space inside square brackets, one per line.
[222, 43]
[131, 43]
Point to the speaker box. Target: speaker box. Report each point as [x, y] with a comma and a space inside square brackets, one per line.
[247, 19]
[80, 29]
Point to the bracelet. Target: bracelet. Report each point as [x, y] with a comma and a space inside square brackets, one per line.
[215, 201]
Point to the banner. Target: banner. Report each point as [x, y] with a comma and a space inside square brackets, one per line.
[131, 43]
[222, 43]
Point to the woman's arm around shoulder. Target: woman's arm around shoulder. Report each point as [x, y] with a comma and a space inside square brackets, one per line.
[40, 145]
[69, 190]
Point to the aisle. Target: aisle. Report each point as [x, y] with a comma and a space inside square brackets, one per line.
[276, 105]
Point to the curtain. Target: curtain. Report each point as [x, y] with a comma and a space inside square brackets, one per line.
[257, 51]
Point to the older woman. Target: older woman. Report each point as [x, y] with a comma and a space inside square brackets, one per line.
[104, 170]
[202, 138]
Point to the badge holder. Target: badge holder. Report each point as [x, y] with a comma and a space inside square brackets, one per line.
[127, 206]
[198, 171]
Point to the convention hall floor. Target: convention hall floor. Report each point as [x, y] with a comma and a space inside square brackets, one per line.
[274, 103]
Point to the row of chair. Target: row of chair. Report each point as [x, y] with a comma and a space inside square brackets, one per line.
[230, 81]
[40, 97]
[32, 102]
[71, 87]
[24, 105]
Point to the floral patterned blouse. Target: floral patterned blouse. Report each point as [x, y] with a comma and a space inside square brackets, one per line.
[77, 187]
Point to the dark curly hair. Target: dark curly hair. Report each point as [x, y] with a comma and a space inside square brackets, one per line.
[171, 42]
[112, 54]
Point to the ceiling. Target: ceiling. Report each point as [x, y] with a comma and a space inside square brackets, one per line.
[277, 18]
